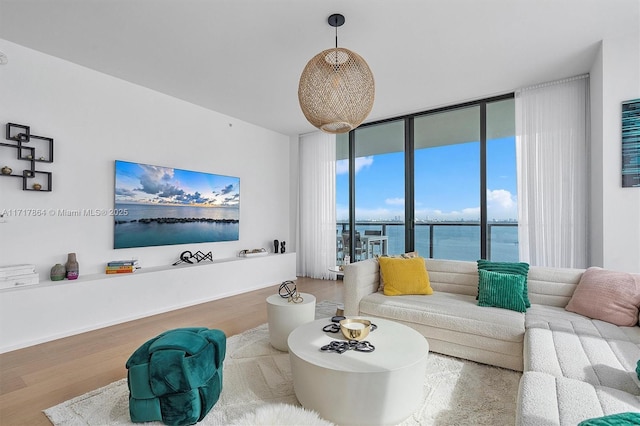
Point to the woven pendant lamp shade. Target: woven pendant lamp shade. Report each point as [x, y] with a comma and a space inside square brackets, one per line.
[336, 90]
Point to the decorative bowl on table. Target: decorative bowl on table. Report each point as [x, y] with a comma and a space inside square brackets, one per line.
[355, 328]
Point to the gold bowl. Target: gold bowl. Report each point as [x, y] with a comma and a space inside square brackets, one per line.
[355, 328]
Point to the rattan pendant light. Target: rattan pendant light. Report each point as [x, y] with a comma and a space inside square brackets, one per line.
[336, 89]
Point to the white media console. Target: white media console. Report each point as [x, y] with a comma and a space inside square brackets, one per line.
[55, 309]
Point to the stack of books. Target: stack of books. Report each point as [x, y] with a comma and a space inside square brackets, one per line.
[122, 266]
[18, 275]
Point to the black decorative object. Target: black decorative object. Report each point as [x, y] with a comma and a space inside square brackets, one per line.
[340, 346]
[282, 249]
[188, 257]
[288, 290]
[276, 244]
[31, 148]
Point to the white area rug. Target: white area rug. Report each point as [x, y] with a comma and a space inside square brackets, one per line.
[456, 392]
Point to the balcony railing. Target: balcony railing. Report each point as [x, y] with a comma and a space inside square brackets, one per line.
[442, 240]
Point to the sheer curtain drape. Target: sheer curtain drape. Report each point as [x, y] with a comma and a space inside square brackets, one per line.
[552, 145]
[316, 245]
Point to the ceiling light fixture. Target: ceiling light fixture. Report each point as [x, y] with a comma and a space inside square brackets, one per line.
[336, 89]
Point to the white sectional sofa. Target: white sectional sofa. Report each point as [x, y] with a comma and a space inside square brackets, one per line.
[574, 368]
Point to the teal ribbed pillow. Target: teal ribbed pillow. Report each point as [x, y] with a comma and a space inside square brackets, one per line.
[501, 290]
[519, 268]
[620, 419]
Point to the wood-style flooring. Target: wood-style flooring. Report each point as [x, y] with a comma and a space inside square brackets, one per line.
[41, 376]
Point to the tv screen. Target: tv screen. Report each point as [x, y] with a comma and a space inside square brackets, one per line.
[158, 206]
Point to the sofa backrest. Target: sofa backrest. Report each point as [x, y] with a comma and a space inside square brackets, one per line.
[453, 276]
[552, 286]
[547, 286]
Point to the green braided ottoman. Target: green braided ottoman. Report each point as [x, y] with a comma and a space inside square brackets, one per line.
[176, 377]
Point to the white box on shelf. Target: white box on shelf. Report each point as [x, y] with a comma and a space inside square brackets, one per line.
[20, 280]
[14, 270]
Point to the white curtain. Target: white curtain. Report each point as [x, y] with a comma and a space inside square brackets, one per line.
[552, 152]
[316, 245]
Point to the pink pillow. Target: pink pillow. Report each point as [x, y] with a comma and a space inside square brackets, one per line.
[608, 296]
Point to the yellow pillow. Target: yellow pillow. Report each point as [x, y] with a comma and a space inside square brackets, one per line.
[404, 276]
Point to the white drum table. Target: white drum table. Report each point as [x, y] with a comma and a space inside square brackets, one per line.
[383, 387]
[284, 316]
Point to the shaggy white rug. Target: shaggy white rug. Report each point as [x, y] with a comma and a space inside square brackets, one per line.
[258, 390]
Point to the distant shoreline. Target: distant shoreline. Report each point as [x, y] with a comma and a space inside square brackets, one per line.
[172, 220]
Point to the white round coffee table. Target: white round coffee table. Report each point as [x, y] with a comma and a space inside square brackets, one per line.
[283, 317]
[383, 387]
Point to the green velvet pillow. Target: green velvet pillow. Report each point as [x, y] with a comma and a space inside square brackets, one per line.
[501, 290]
[519, 268]
[620, 419]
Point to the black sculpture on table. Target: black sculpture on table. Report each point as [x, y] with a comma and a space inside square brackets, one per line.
[282, 250]
[275, 246]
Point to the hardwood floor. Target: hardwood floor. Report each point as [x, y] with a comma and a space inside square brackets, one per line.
[41, 376]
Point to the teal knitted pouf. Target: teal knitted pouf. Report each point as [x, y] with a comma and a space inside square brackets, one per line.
[176, 377]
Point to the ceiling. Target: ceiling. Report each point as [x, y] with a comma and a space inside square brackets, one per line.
[243, 58]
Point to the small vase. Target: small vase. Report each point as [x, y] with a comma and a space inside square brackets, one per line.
[72, 267]
[6, 170]
[58, 272]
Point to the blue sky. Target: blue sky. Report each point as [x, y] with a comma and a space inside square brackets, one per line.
[143, 183]
[447, 183]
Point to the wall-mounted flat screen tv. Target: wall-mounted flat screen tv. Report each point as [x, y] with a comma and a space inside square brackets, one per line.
[158, 206]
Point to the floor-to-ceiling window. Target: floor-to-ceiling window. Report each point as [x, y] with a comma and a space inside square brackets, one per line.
[447, 184]
[440, 182]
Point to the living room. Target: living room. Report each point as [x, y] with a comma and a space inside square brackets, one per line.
[96, 116]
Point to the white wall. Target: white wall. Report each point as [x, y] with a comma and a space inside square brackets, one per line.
[96, 119]
[615, 210]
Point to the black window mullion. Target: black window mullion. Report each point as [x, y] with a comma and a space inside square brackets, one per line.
[409, 196]
[483, 180]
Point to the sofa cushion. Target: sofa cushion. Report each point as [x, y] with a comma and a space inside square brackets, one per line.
[608, 296]
[519, 268]
[501, 290]
[443, 311]
[565, 344]
[547, 400]
[620, 419]
[404, 276]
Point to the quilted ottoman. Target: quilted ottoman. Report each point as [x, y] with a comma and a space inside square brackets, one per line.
[176, 377]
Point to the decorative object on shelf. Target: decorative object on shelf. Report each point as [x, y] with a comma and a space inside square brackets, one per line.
[27, 145]
[289, 291]
[12, 276]
[254, 252]
[276, 245]
[72, 267]
[188, 257]
[282, 249]
[58, 272]
[336, 89]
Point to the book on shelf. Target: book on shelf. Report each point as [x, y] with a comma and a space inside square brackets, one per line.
[129, 262]
[120, 269]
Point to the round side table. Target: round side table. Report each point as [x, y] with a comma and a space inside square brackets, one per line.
[284, 316]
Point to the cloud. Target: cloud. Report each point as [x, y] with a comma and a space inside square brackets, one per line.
[500, 198]
[125, 192]
[227, 189]
[342, 166]
[394, 201]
